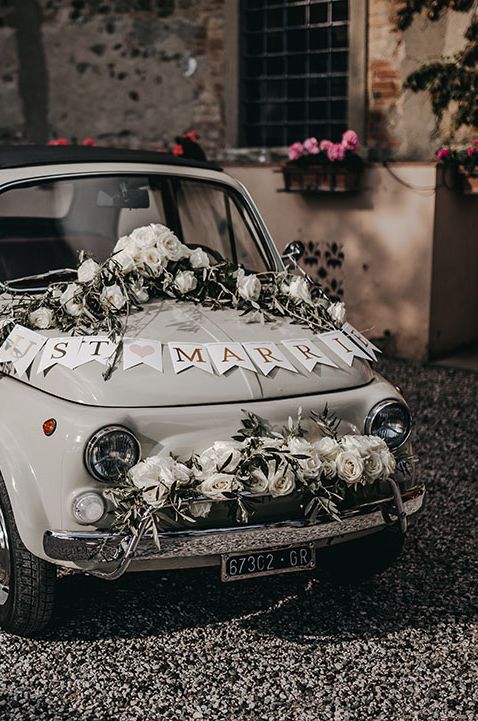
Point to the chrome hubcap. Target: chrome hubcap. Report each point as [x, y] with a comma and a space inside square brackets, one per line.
[4, 561]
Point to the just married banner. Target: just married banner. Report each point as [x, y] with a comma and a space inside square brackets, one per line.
[23, 346]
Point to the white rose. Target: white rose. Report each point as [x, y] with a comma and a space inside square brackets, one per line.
[337, 313]
[299, 290]
[248, 286]
[200, 509]
[217, 485]
[373, 466]
[153, 259]
[144, 237]
[258, 482]
[69, 299]
[213, 459]
[328, 448]
[87, 270]
[355, 443]
[167, 469]
[281, 482]
[377, 444]
[169, 244]
[299, 445]
[349, 467]
[312, 464]
[389, 463]
[122, 243]
[142, 475]
[41, 317]
[329, 468]
[112, 297]
[185, 281]
[198, 258]
[125, 260]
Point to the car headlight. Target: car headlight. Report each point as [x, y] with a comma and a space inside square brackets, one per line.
[88, 508]
[111, 452]
[390, 420]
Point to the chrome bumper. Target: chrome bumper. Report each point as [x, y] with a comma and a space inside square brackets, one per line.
[98, 551]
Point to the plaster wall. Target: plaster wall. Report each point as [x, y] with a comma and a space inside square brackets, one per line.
[386, 233]
[454, 299]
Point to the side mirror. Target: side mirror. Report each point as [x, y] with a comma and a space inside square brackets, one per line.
[293, 251]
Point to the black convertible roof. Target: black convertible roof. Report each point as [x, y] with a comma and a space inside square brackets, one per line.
[21, 156]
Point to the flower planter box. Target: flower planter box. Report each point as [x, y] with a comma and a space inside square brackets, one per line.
[321, 178]
[468, 181]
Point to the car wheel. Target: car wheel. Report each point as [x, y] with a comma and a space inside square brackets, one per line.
[27, 583]
[364, 558]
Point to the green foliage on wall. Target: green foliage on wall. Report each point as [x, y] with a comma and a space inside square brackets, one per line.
[453, 79]
[434, 9]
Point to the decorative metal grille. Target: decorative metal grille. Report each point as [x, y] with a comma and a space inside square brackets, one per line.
[294, 60]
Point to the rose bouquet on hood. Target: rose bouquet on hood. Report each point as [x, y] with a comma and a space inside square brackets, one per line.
[151, 262]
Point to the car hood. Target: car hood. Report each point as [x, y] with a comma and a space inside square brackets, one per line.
[169, 320]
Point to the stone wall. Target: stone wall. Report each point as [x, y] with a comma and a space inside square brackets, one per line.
[127, 73]
[137, 72]
[401, 124]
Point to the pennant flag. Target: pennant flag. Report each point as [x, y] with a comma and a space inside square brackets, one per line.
[361, 340]
[189, 355]
[147, 352]
[60, 351]
[97, 348]
[307, 353]
[267, 356]
[342, 346]
[21, 347]
[229, 355]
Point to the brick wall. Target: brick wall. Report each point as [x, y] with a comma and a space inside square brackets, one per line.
[400, 124]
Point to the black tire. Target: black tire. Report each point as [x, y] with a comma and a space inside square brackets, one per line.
[27, 606]
[359, 560]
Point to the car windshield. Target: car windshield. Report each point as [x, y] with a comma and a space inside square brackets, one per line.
[43, 225]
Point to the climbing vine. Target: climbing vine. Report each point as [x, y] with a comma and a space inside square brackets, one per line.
[453, 79]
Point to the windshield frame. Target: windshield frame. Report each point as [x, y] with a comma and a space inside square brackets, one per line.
[225, 183]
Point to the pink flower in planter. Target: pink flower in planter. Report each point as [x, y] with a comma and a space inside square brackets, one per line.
[311, 146]
[296, 151]
[350, 141]
[324, 145]
[59, 141]
[471, 151]
[443, 153]
[336, 152]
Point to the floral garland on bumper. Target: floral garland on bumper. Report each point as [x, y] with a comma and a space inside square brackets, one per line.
[151, 262]
[260, 461]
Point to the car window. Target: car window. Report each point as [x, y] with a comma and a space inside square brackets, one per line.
[44, 225]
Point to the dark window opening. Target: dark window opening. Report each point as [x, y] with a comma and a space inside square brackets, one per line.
[294, 61]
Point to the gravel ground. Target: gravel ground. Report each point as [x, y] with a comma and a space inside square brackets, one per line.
[401, 647]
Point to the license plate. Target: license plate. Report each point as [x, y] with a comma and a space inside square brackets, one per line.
[237, 566]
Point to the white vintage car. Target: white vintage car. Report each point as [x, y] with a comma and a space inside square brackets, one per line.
[68, 434]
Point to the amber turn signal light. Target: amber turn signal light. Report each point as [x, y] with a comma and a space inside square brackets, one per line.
[49, 426]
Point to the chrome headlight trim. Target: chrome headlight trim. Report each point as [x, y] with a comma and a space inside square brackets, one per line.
[378, 408]
[97, 436]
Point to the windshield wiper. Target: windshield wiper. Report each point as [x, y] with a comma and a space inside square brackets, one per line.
[59, 272]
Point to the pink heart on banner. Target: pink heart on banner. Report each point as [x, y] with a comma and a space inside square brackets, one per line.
[142, 350]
